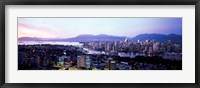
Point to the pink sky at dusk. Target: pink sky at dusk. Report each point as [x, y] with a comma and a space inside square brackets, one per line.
[72, 27]
[28, 30]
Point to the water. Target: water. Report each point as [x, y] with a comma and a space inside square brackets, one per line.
[61, 43]
[94, 52]
[89, 51]
[52, 43]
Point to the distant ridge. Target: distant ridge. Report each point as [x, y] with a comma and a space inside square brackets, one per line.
[89, 38]
[174, 38]
[103, 37]
[30, 39]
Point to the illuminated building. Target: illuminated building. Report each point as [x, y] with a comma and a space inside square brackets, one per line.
[88, 62]
[81, 61]
[155, 47]
[110, 64]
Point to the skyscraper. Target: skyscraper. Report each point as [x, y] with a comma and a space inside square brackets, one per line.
[110, 64]
[81, 61]
[88, 62]
[155, 47]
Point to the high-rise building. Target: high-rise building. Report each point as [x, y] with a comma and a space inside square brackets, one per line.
[138, 41]
[126, 41]
[81, 61]
[88, 62]
[132, 39]
[110, 64]
[147, 40]
[155, 47]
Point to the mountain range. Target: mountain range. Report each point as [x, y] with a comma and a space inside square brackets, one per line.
[160, 37]
[103, 37]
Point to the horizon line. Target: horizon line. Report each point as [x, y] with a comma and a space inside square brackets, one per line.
[103, 34]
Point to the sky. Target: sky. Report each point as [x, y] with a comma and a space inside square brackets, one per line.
[72, 27]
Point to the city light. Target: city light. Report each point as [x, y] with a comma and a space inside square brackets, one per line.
[110, 49]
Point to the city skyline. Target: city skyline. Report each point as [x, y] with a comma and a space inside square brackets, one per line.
[72, 27]
[100, 43]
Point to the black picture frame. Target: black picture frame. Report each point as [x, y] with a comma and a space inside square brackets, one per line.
[3, 3]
